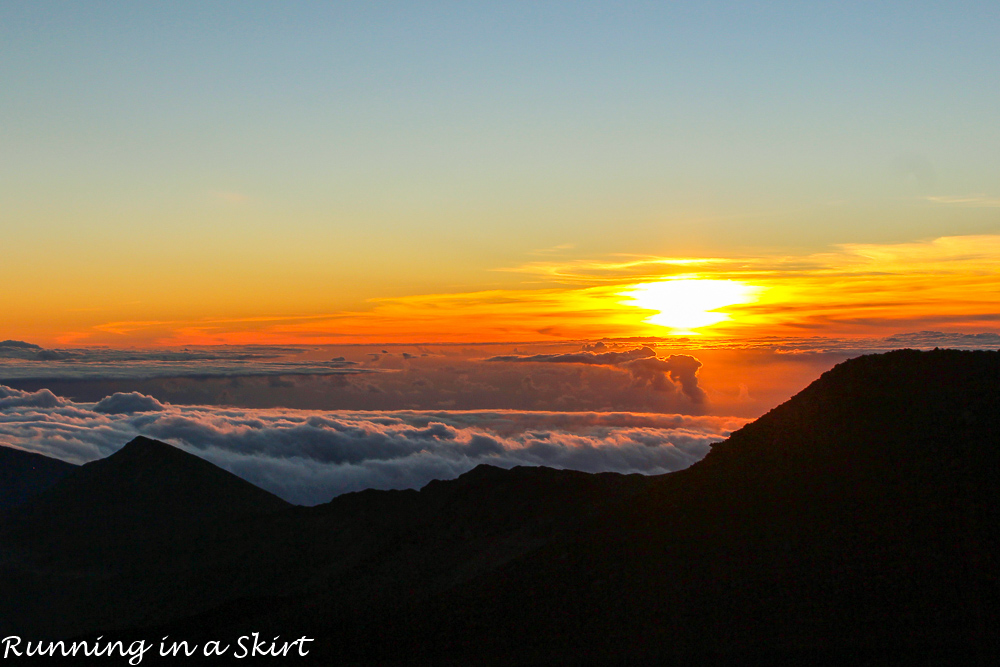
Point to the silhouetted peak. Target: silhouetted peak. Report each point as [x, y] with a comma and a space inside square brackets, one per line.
[906, 407]
[486, 475]
[150, 482]
[143, 446]
[485, 471]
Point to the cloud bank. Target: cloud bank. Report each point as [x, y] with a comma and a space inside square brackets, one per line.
[585, 357]
[309, 457]
[646, 369]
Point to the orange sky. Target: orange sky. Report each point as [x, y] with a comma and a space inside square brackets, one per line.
[947, 283]
[361, 172]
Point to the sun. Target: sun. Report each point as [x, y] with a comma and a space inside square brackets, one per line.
[686, 304]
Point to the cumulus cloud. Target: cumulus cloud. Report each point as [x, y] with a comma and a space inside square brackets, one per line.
[453, 377]
[18, 349]
[18, 345]
[12, 398]
[309, 457]
[681, 368]
[122, 403]
[646, 369]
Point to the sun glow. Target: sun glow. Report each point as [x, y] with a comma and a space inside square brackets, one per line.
[687, 304]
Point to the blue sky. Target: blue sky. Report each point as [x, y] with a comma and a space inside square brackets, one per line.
[404, 148]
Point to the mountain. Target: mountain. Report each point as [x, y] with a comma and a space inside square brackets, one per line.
[145, 497]
[858, 518]
[858, 522]
[105, 540]
[24, 475]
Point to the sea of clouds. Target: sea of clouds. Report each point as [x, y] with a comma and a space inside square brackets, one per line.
[309, 423]
[308, 457]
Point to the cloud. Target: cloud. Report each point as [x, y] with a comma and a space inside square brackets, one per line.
[18, 349]
[561, 377]
[646, 369]
[970, 201]
[121, 403]
[847, 290]
[43, 398]
[25, 361]
[309, 457]
[681, 368]
[17, 345]
[585, 357]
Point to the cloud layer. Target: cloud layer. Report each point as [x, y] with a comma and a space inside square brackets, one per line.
[646, 369]
[308, 458]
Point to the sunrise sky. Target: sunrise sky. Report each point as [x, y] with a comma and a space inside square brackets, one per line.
[332, 246]
[249, 172]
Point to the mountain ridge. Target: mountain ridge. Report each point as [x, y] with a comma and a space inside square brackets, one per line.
[857, 521]
[24, 475]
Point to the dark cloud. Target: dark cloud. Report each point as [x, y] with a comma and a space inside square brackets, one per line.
[857, 346]
[604, 376]
[681, 368]
[18, 349]
[20, 364]
[308, 457]
[395, 383]
[646, 369]
[18, 345]
[924, 339]
[585, 357]
[51, 355]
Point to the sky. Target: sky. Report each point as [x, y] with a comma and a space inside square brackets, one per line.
[671, 208]
[243, 172]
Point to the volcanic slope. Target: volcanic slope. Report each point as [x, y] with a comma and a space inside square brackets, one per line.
[856, 522]
[105, 543]
[24, 475]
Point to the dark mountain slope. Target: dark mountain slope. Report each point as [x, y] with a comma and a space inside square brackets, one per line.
[154, 534]
[143, 498]
[110, 540]
[858, 519]
[24, 475]
[857, 523]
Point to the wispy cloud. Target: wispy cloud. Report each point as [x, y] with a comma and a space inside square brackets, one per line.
[852, 289]
[615, 270]
[970, 201]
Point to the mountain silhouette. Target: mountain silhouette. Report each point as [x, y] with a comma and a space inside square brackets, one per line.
[857, 522]
[114, 531]
[144, 497]
[24, 475]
